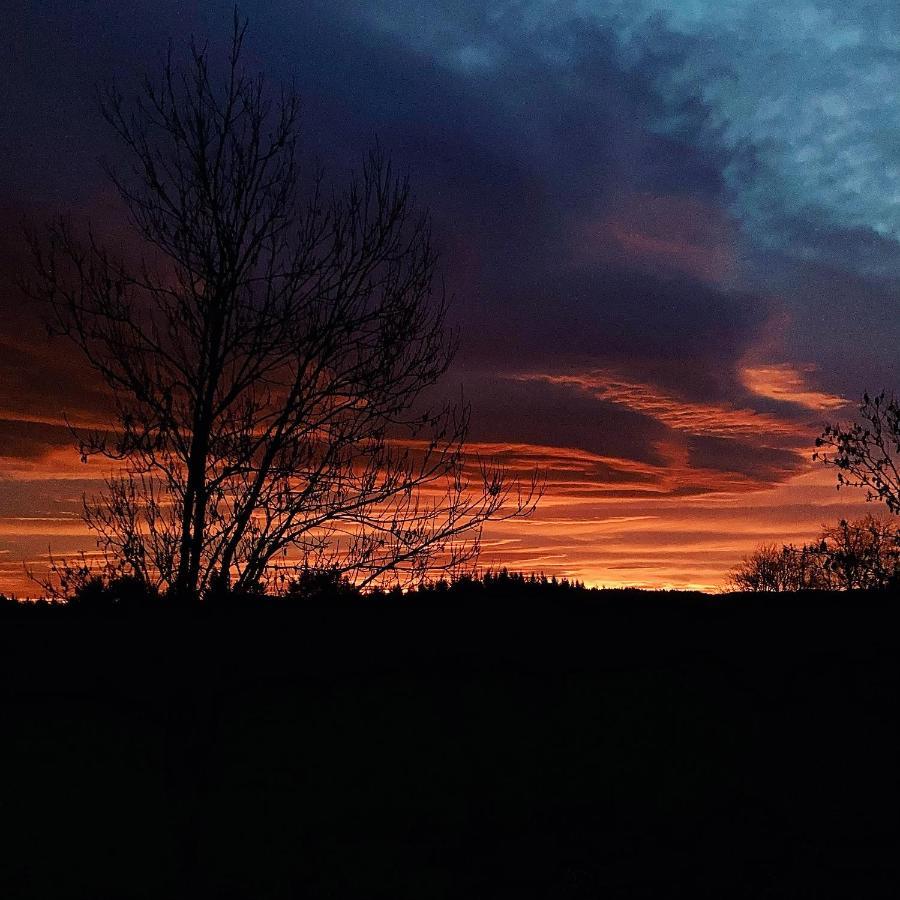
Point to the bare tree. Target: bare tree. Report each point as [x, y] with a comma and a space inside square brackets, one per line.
[767, 569]
[867, 454]
[268, 357]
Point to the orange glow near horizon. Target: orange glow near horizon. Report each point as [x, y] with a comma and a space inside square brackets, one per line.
[659, 542]
[590, 525]
[663, 515]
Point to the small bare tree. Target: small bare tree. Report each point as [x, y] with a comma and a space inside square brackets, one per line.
[767, 569]
[267, 359]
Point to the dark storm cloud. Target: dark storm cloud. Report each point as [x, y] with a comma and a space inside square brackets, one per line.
[537, 412]
[844, 322]
[25, 440]
[758, 463]
[578, 233]
[526, 168]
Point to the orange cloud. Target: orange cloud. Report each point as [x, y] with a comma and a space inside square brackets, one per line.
[643, 534]
[691, 417]
[788, 383]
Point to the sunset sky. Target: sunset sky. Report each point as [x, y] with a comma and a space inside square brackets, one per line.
[669, 228]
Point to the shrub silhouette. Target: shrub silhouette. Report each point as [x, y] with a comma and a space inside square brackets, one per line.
[317, 584]
[126, 592]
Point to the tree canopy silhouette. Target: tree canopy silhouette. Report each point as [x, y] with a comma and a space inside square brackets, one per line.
[867, 454]
[268, 355]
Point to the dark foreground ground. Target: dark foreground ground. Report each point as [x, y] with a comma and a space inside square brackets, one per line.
[632, 747]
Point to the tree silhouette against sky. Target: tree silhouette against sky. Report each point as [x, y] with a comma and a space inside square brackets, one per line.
[267, 356]
[866, 453]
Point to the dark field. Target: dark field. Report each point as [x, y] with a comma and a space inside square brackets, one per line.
[624, 745]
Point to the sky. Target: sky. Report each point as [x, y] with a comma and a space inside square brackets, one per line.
[669, 229]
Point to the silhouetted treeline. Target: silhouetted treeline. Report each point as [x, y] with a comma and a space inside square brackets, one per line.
[767, 572]
[314, 588]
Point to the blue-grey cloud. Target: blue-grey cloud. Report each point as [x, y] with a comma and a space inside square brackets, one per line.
[799, 96]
